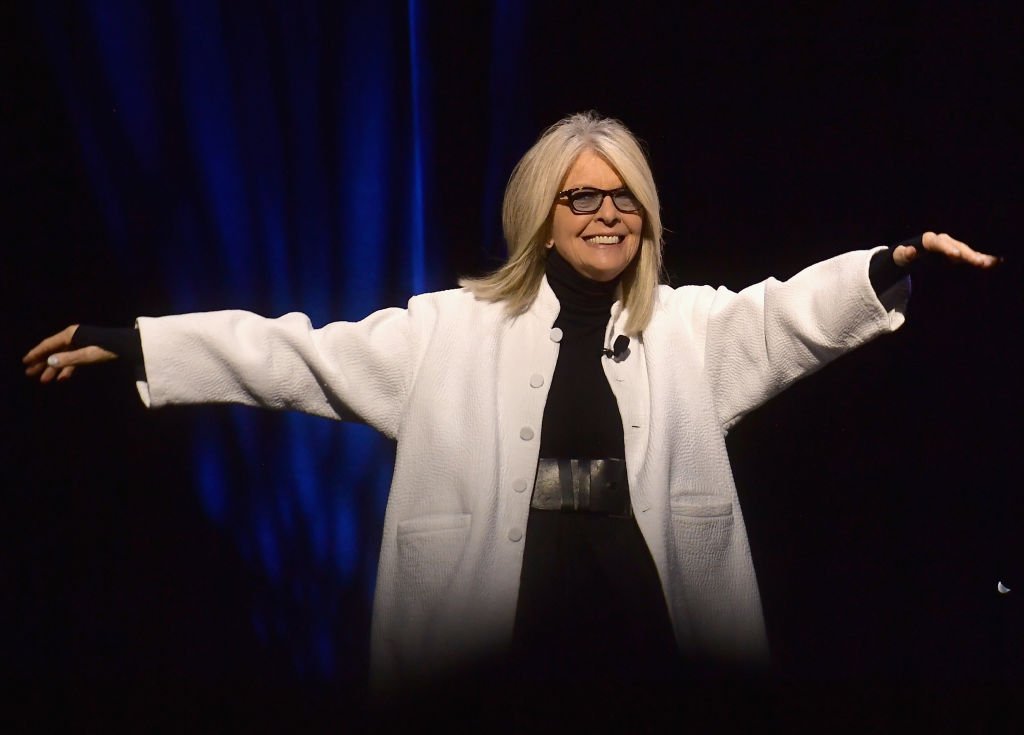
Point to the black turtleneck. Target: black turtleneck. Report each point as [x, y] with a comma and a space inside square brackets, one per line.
[581, 417]
[590, 602]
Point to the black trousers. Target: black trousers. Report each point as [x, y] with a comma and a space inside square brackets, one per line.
[593, 649]
[591, 606]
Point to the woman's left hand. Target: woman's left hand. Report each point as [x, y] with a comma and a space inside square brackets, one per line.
[943, 244]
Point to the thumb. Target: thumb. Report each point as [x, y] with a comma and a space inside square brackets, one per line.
[902, 255]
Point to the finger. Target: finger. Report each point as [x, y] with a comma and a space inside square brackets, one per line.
[903, 255]
[941, 243]
[55, 342]
[58, 341]
[82, 356]
[34, 369]
[975, 258]
[66, 373]
[955, 250]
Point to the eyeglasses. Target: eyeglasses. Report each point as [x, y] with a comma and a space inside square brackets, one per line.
[587, 199]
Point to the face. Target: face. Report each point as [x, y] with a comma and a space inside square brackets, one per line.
[602, 244]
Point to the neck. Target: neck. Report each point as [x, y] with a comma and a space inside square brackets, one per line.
[575, 291]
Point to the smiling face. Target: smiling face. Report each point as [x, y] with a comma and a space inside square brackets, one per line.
[602, 244]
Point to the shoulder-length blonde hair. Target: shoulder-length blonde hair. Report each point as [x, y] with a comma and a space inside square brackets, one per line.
[527, 211]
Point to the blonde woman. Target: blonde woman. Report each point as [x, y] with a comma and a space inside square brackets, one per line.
[562, 491]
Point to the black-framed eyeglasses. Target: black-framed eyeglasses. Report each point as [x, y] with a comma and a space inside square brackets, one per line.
[587, 199]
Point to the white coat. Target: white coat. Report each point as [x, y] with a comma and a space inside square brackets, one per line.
[462, 388]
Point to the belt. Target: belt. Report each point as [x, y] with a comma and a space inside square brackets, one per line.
[583, 486]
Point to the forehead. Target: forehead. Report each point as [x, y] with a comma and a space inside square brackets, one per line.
[590, 169]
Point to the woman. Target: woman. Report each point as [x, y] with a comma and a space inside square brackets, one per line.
[569, 373]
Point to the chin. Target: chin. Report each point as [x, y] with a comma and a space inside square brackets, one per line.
[602, 275]
[604, 271]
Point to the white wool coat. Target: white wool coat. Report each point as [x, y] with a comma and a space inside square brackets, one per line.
[461, 387]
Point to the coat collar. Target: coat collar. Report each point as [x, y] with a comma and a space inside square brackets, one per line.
[546, 306]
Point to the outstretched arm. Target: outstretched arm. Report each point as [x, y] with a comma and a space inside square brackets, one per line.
[763, 338]
[345, 370]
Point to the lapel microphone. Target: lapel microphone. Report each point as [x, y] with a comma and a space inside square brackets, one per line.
[619, 350]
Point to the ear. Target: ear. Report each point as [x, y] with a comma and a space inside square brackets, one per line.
[550, 244]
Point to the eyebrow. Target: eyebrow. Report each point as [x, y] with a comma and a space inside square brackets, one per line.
[594, 186]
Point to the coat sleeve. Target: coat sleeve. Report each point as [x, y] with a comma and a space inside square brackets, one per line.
[762, 339]
[358, 371]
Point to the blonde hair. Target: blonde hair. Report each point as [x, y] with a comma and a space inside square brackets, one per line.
[526, 214]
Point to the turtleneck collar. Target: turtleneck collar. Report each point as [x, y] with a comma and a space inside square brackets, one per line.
[576, 293]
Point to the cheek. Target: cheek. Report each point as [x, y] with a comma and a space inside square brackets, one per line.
[562, 229]
[636, 249]
[638, 234]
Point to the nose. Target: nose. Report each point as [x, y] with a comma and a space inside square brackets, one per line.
[608, 213]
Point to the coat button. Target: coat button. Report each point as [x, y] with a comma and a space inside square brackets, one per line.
[519, 485]
[555, 334]
[514, 534]
[526, 433]
[536, 380]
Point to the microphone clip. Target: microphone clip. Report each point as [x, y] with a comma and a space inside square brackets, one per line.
[619, 350]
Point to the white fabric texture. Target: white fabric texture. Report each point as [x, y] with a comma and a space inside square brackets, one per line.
[453, 379]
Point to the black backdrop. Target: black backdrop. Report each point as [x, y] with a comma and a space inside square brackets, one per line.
[882, 495]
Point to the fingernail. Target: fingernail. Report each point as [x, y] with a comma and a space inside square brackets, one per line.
[53, 361]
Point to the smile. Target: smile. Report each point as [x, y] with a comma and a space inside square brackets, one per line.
[604, 239]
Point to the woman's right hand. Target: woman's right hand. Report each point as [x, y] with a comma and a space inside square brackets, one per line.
[55, 357]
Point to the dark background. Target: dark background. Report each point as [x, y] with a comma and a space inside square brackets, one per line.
[882, 496]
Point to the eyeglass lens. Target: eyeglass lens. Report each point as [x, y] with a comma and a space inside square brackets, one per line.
[588, 201]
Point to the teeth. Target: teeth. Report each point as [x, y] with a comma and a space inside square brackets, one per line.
[604, 239]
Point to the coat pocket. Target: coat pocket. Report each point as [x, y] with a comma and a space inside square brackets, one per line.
[702, 528]
[712, 588]
[433, 524]
[429, 551]
[704, 588]
[701, 506]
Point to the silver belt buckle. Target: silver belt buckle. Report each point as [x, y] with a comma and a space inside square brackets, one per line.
[582, 486]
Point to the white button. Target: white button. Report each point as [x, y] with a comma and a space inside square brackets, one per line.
[536, 380]
[514, 534]
[619, 379]
[555, 334]
[519, 486]
[526, 433]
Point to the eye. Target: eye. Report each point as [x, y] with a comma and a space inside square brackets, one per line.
[587, 199]
[625, 201]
